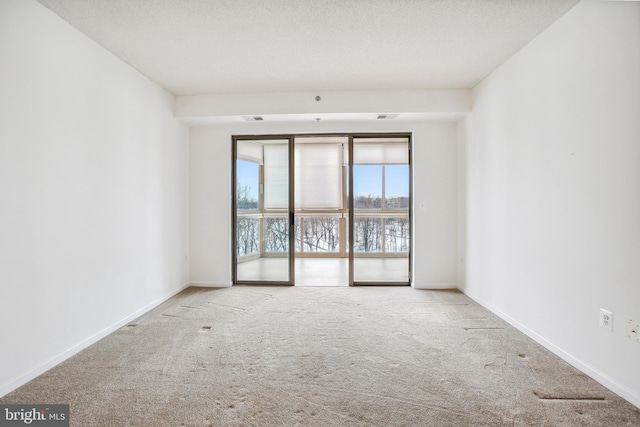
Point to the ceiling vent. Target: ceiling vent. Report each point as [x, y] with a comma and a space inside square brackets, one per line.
[387, 116]
[253, 118]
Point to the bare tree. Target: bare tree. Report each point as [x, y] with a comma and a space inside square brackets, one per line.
[248, 230]
[321, 234]
[367, 234]
[243, 199]
[396, 234]
[369, 201]
[276, 234]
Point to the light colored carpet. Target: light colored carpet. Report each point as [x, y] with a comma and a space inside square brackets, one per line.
[288, 356]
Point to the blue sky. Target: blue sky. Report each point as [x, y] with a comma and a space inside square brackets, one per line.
[368, 180]
[247, 174]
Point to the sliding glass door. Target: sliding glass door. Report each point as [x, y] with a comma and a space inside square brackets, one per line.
[332, 210]
[380, 210]
[263, 218]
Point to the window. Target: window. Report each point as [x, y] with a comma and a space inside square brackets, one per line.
[367, 187]
[318, 176]
[247, 186]
[276, 176]
[381, 196]
[396, 187]
[248, 164]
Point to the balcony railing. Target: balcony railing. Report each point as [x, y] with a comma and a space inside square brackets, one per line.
[380, 234]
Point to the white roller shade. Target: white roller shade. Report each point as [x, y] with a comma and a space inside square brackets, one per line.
[318, 174]
[276, 176]
[368, 153]
[250, 151]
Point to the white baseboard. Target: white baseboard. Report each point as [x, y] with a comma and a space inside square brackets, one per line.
[41, 369]
[434, 285]
[211, 284]
[585, 368]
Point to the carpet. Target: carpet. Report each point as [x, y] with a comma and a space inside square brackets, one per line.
[304, 356]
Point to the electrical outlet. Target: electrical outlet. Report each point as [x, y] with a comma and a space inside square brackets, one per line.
[632, 330]
[606, 319]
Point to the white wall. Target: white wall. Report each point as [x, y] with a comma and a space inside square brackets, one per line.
[93, 192]
[435, 184]
[553, 190]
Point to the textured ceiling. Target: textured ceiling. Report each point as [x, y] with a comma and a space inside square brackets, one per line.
[226, 46]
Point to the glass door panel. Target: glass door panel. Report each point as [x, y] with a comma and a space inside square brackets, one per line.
[381, 211]
[262, 220]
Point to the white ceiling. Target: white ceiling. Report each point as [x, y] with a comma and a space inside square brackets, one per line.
[193, 47]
